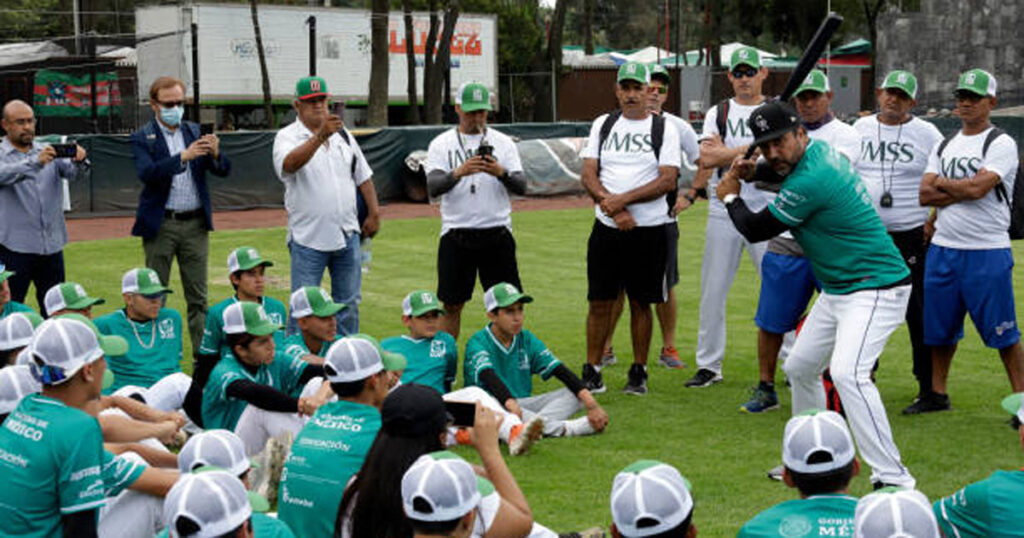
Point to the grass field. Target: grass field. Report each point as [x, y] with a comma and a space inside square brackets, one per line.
[723, 453]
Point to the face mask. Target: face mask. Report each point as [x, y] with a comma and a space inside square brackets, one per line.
[172, 116]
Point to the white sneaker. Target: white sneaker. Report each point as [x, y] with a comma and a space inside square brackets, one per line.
[578, 427]
[528, 434]
[270, 465]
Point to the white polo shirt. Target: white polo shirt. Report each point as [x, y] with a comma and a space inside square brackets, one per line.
[320, 197]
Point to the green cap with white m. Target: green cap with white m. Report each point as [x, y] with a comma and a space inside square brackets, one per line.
[420, 302]
[634, 71]
[978, 82]
[144, 281]
[313, 301]
[68, 296]
[504, 294]
[659, 71]
[816, 81]
[245, 258]
[473, 96]
[1014, 405]
[745, 56]
[250, 318]
[901, 80]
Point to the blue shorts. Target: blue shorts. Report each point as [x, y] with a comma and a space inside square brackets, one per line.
[979, 282]
[787, 284]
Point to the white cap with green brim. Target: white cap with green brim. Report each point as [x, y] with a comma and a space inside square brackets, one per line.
[217, 448]
[206, 505]
[901, 80]
[420, 302]
[17, 329]
[895, 513]
[143, 281]
[977, 81]
[649, 497]
[439, 486]
[473, 96]
[248, 317]
[63, 345]
[245, 258]
[816, 81]
[1014, 405]
[817, 441]
[504, 294]
[313, 301]
[4, 273]
[16, 382]
[68, 296]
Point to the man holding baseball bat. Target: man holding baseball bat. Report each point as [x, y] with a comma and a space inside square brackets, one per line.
[865, 283]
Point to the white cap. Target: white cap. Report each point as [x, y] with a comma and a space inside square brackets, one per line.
[16, 382]
[16, 331]
[895, 513]
[212, 503]
[439, 487]
[649, 497]
[217, 448]
[817, 442]
[62, 347]
[351, 359]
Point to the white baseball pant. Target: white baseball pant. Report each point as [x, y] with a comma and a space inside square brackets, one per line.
[723, 248]
[477, 394]
[167, 394]
[847, 333]
[256, 426]
[131, 514]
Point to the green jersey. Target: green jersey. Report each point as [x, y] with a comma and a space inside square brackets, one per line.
[119, 473]
[11, 307]
[154, 348]
[51, 459]
[515, 365]
[830, 213]
[214, 342]
[431, 361]
[991, 507]
[263, 526]
[221, 411]
[330, 449]
[294, 346]
[817, 516]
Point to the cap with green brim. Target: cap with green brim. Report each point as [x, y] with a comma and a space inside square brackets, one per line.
[901, 80]
[112, 345]
[313, 301]
[649, 498]
[68, 296]
[504, 294]
[978, 82]
[4, 273]
[473, 96]
[745, 56]
[310, 88]
[1014, 405]
[634, 71]
[143, 281]
[658, 71]
[420, 302]
[393, 362]
[245, 258]
[816, 81]
[249, 318]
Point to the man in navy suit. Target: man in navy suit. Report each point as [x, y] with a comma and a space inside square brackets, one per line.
[173, 217]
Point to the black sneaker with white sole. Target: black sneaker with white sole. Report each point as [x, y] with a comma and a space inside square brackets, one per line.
[704, 378]
[929, 402]
[636, 382]
[592, 379]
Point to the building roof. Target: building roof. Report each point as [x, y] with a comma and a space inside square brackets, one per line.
[29, 52]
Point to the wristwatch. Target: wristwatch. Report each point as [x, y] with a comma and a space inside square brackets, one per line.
[729, 198]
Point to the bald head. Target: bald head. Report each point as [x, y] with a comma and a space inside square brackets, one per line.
[19, 122]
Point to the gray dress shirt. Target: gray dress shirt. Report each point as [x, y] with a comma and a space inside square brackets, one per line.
[31, 203]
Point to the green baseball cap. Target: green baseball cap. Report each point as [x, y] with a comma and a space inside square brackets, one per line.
[634, 71]
[112, 345]
[901, 80]
[392, 361]
[4, 273]
[313, 301]
[245, 258]
[658, 70]
[978, 82]
[816, 81]
[310, 88]
[1014, 405]
[420, 302]
[68, 296]
[745, 56]
[248, 317]
[473, 96]
[504, 294]
[144, 281]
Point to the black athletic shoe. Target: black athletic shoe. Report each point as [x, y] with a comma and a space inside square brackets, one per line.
[879, 485]
[928, 403]
[637, 380]
[704, 378]
[592, 379]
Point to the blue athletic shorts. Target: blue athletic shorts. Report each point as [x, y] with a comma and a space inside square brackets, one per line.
[979, 282]
[787, 284]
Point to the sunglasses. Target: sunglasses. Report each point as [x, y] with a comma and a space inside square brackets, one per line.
[171, 104]
[659, 89]
[744, 71]
[152, 296]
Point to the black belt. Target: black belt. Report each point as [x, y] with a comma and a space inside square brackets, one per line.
[184, 215]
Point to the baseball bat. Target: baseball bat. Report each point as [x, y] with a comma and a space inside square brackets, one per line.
[808, 59]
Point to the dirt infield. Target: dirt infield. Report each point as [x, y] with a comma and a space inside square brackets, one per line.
[115, 227]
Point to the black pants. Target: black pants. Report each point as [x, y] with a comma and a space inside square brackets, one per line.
[43, 270]
[465, 252]
[913, 249]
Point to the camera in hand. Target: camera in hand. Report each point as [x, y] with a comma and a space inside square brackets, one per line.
[65, 151]
[485, 150]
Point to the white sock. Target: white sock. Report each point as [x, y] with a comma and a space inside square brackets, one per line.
[578, 426]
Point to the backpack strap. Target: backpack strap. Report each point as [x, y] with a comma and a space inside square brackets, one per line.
[1001, 193]
[722, 118]
[945, 141]
[657, 134]
[606, 129]
[351, 143]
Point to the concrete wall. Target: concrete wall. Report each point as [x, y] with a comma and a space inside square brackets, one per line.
[950, 36]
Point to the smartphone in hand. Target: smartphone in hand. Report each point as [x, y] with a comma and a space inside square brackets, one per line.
[464, 414]
[65, 151]
[205, 129]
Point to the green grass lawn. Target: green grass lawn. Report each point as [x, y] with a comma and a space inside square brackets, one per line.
[724, 454]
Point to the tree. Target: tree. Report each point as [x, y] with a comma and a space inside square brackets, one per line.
[410, 63]
[268, 107]
[377, 106]
[871, 9]
[436, 63]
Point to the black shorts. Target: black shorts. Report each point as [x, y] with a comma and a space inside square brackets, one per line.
[464, 252]
[672, 254]
[633, 260]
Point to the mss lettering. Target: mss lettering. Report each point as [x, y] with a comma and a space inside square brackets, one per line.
[628, 143]
[872, 151]
[959, 167]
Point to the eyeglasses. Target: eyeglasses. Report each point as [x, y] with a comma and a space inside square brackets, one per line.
[171, 104]
[744, 71]
[659, 89]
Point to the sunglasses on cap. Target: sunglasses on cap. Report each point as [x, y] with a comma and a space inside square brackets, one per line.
[743, 71]
[47, 374]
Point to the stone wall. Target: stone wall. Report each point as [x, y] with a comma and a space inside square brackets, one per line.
[950, 36]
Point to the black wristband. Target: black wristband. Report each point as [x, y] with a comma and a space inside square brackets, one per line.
[701, 193]
[689, 198]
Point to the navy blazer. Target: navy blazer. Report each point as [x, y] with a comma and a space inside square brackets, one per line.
[156, 169]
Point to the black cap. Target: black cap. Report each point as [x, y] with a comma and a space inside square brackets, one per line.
[772, 120]
[412, 410]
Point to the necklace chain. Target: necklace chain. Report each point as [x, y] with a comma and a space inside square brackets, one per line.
[135, 329]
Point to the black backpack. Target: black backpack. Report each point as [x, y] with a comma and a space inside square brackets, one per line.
[1016, 202]
[657, 137]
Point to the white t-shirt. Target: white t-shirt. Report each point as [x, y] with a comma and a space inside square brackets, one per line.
[975, 224]
[738, 134]
[896, 155]
[688, 144]
[627, 162]
[478, 200]
[320, 197]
